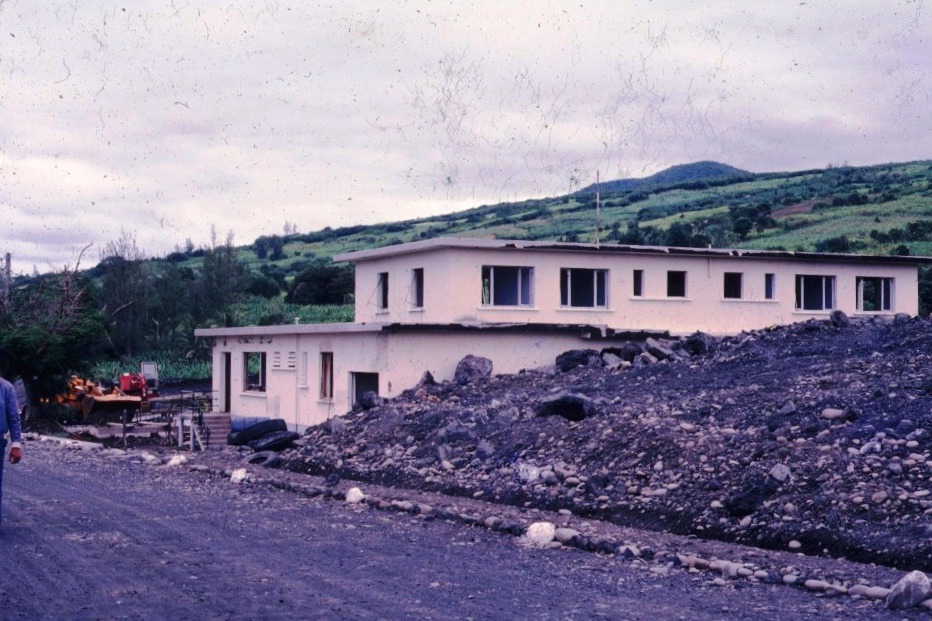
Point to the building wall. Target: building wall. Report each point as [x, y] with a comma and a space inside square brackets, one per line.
[453, 290]
[292, 390]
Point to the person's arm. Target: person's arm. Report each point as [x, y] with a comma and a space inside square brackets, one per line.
[14, 423]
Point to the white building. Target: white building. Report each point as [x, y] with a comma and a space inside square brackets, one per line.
[424, 305]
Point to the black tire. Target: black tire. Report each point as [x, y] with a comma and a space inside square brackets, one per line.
[267, 459]
[274, 441]
[256, 431]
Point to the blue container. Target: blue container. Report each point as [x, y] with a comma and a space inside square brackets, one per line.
[238, 423]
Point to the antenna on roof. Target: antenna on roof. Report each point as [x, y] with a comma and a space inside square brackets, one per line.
[598, 210]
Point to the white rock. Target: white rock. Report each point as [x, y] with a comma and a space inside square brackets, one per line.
[177, 460]
[870, 592]
[239, 475]
[354, 495]
[832, 413]
[816, 585]
[780, 472]
[540, 533]
[910, 591]
[794, 545]
[565, 535]
[150, 458]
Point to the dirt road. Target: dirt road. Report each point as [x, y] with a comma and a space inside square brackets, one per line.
[98, 535]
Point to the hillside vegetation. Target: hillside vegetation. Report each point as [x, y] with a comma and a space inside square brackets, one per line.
[149, 307]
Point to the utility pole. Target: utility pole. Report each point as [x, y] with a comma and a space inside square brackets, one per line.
[598, 210]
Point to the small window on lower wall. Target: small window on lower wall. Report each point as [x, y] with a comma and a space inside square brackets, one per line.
[254, 371]
[815, 292]
[676, 284]
[638, 289]
[770, 286]
[875, 295]
[732, 285]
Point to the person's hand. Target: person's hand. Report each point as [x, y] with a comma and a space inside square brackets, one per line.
[16, 454]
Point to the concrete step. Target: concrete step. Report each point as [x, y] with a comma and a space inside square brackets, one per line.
[218, 426]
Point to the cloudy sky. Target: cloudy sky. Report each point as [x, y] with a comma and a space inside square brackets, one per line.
[168, 120]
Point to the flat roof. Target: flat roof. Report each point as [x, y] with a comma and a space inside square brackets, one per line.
[595, 332]
[469, 243]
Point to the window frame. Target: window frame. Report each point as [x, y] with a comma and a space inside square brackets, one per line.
[523, 285]
[261, 374]
[637, 283]
[770, 286]
[417, 288]
[326, 376]
[673, 287]
[885, 291]
[381, 292]
[733, 286]
[827, 292]
[598, 287]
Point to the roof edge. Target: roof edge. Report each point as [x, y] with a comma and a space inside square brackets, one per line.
[469, 243]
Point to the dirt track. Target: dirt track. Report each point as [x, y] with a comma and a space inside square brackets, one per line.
[101, 535]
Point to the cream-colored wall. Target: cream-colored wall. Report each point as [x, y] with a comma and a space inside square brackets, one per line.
[399, 359]
[452, 280]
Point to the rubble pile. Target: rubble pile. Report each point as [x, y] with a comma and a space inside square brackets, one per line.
[813, 438]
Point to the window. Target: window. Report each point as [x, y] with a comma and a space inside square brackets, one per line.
[382, 291]
[732, 285]
[363, 383]
[583, 288]
[417, 287]
[326, 375]
[770, 286]
[676, 284]
[506, 286]
[875, 294]
[815, 292]
[638, 284]
[254, 371]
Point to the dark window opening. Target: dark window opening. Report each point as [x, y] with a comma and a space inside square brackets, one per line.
[363, 383]
[417, 287]
[638, 283]
[382, 291]
[732, 285]
[676, 284]
[582, 288]
[506, 286]
[770, 286]
[815, 292]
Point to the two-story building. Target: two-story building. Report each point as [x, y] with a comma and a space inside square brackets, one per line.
[423, 306]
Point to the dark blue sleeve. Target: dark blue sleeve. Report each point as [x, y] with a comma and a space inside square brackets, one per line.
[11, 411]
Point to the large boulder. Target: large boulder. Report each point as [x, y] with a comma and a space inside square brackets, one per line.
[573, 358]
[471, 369]
[571, 406]
[911, 590]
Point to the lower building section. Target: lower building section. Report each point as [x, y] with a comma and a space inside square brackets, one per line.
[307, 374]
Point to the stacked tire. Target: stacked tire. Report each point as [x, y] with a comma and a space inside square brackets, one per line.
[266, 435]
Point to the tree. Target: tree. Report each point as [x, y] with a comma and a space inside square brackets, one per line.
[124, 293]
[321, 284]
[49, 327]
[221, 281]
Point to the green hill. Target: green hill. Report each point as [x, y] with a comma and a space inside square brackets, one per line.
[880, 209]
